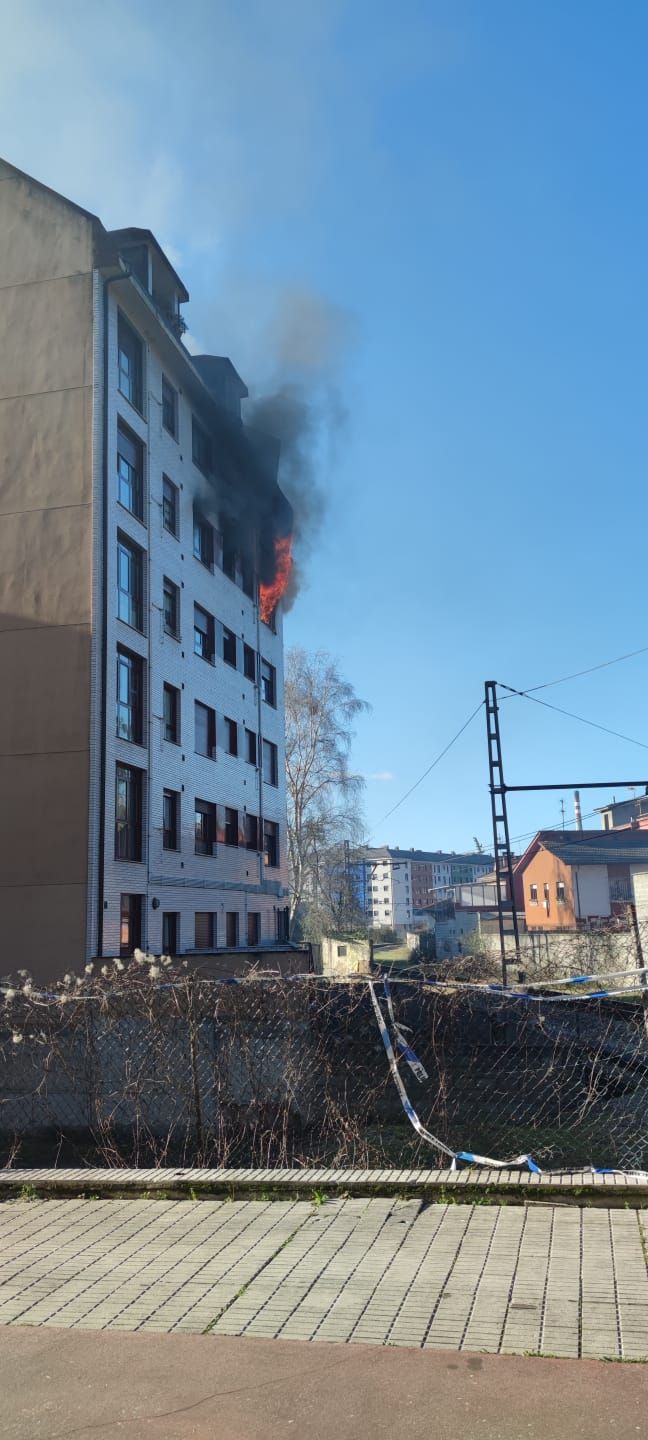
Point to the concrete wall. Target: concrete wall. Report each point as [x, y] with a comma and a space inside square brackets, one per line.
[45, 573]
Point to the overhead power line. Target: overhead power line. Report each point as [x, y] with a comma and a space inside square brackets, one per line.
[431, 767]
[630, 654]
[524, 695]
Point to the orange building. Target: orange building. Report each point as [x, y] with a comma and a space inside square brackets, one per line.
[571, 878]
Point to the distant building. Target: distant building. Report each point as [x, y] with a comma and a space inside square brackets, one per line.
[400, 882]
[622, 813]
[572, 878]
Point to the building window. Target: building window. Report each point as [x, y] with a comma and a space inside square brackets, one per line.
[172, 714]
[169, 407]
[251, 832]
[170, 827]
[231, 729]
[170, 932]
[130, 690]
[283, 925]
[229, 550]
[130, 583]
[203, 540]
[170, 505]
[200, 446]
[130, 472]
[229, 647]
[253, 927]
[251, 747]
[204, 930]
[205, 827]
[128, 813]
[249, 662]
[130, 924]
[204, 730]
[231, 826]
[232, 927]
[203, 634]
[130, 350]
[171, 602]
[247, 576]
[268, 682]
[560, 892]
[270, 763]
[271, 843]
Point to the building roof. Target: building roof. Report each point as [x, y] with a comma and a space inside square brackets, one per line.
[426, 856]
[591, 847]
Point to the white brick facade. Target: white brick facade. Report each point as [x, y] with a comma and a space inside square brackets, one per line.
[181, 881]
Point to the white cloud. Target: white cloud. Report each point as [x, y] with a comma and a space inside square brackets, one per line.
[381, 775]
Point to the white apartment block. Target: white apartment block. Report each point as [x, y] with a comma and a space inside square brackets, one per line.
[397, 883]
[145, 723]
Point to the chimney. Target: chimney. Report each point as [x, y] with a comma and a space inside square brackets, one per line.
[577, 810]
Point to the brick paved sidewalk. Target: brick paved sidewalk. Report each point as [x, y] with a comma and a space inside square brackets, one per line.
[543, 1279]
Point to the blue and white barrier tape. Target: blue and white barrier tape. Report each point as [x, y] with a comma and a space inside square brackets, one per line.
[467, 1156]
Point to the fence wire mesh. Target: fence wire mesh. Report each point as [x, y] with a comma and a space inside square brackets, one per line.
[140, 1067]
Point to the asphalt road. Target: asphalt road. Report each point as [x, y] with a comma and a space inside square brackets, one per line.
[79, 1385]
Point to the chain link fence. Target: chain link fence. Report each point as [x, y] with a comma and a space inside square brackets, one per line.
[147, 1064]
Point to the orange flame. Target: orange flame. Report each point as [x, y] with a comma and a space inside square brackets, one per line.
[270, 595]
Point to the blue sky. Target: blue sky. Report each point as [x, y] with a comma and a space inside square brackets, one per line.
[437, 214]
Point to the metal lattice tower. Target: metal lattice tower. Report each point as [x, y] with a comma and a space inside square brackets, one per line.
[506, 912]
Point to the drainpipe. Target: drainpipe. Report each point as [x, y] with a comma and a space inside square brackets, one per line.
[123, 274]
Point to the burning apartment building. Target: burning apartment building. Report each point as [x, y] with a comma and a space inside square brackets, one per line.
[145, 551]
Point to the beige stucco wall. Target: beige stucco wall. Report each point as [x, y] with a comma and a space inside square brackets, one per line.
[45, 575]
[355, 959]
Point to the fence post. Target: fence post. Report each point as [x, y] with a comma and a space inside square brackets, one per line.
[643, 972]
[193, 1051]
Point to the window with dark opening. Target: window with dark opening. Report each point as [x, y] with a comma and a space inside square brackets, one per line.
[229, 549]
[171, 714]
[231, 730]
[170, 828]
[130, 351]
[170, 932]
[229, 647]
[128, 813]
[251, 832]
[169, 407]
[205, 827]
[130, 583]
[170, 506]
[268, 682]
[130, 924]
[232, 927]
[231, 826]
[251, 747]
[171, 606]
[205, 730]
[203, 540]
[203, 634]
[130, 690]
[249, 662]
[200, 446]
[253, 927]
[270, 763]
[271, 843]
[130, 472]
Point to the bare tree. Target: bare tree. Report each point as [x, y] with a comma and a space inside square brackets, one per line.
[324, 796]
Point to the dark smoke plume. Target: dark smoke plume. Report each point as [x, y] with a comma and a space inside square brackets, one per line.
[286, 441]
